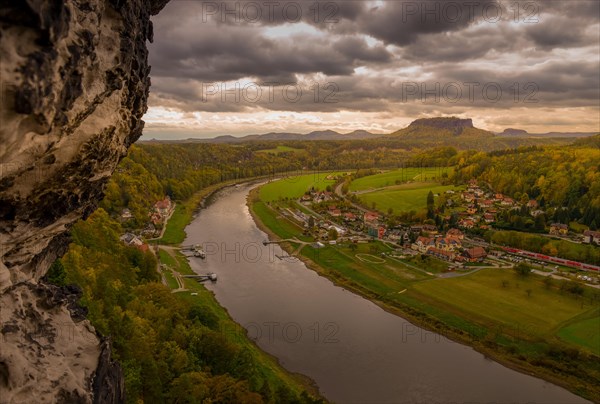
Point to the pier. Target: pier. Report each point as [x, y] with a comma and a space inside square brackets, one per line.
[202, 278]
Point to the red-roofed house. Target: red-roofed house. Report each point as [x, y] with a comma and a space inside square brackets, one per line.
[489, 218]
[164, 207]
[507, 202]
[475, 254]
[447, 244]
[155, 218]
[466, 223]
[455, 234]
[423, 243]
[349, 216]
[442, 254]
[370, 217]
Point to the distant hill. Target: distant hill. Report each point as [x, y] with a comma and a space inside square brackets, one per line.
[421, 133]
[285, 136]
[590, 141]
[524, 133]
[441, 128]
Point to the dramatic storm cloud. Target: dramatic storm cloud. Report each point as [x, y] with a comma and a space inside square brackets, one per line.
[239, 67]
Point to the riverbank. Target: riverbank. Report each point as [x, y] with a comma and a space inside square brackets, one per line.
[184, 213]
[526, 355]
[196, 292]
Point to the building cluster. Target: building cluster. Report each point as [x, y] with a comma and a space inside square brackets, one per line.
[448, 247]
[481, 207]
[157, 217]
[481, 210]
[355, 225]
[317, 196]
[161, 211]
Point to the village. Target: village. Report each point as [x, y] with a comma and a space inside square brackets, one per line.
[331, 218]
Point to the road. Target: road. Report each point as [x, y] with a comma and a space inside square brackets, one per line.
[338, 191]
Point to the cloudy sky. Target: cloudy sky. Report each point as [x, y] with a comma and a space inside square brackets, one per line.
[246, 67]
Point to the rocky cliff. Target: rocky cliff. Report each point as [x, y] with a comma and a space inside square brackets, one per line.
[453, 124]
[73, 88]
[449, 131]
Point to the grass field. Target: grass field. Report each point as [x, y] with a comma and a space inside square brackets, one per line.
[404, 197]
[482, 297]
[584, 332]
[384, 279]
[280, 149]
[296, 186]
[427, 263]
[171, 281]
[284, 228]
[398, 176]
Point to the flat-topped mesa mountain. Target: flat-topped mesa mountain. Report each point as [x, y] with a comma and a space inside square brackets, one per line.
[451, 123]
[514, 132]
[439, 128]
[74, 89]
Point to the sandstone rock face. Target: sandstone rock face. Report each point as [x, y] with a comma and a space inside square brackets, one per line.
[73, 89]
[453, 124]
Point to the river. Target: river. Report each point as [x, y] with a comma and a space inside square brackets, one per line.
[355, 351]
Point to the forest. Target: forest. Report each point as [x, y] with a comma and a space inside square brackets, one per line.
[565, 181]
[171, 349]
[563, 178]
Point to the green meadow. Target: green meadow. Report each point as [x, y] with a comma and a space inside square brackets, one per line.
[404, 197]
[583, 331]
[401, 175]
[520, 305]
[295, 186]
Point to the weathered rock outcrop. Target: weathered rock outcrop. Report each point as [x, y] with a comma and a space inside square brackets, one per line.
[439, 131]
[454, 124]
[73, 89]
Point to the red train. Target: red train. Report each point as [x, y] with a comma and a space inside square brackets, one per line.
[562, 261]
